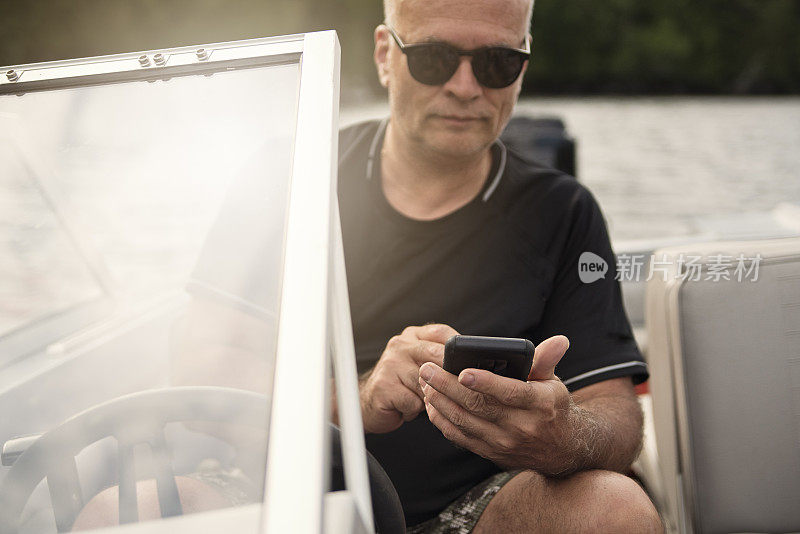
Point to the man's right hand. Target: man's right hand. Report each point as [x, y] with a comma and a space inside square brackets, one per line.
[390, 392]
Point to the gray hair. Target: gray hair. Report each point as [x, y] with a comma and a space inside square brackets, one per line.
[390, 13]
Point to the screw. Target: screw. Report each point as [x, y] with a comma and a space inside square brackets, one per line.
[12, 75]
[159, 59]
[144, 60]
[202, 54]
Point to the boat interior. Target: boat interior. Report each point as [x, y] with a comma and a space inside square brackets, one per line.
[124, 223]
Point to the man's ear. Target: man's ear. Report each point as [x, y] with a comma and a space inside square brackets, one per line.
[525, 66]
[381, 54]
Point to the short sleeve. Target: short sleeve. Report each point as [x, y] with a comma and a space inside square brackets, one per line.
[585, 303]
[240, 262]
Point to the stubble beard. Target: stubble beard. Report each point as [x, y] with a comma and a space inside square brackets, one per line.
[436, 141]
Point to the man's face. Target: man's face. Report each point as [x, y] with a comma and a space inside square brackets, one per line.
[459, 118]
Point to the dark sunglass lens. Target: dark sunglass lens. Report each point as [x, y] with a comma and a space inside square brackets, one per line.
[497, 67]
[432, 64]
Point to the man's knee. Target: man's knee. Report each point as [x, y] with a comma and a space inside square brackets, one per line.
[618, 503]
[103, 509]
[588, 501]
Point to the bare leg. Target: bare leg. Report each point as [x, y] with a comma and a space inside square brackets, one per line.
[588, 501]
[103, 509]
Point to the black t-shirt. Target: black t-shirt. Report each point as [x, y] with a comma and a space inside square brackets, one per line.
[505, 264]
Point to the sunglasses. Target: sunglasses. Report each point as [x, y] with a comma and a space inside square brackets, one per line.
[494, 67]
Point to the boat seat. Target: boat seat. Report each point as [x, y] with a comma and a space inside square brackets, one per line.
[724, 359]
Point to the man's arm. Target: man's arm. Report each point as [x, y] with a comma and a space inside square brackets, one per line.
[608, 425]
[536, 424]
[213, 344]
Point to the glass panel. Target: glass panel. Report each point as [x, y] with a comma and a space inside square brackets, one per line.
[41, 269]
[166, 201]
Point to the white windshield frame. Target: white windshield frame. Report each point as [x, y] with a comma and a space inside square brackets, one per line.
[314, 323]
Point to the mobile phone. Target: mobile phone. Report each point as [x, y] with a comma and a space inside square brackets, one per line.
[504, 356]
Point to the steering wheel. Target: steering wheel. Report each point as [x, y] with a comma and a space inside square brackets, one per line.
[140, 418]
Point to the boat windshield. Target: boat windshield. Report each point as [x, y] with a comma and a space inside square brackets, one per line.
[142, 228]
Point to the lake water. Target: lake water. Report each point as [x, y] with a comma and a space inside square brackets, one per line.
[657, 164]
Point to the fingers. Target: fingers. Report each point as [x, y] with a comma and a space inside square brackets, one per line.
[390, 395]
[438, 333]
[408, 345]
[408, 404]
[410, 379]
[507, 391]
[423, 351]
[448, 385]
[392, 391]
[547, 354]
[453, 433]
[386, 411]
[468, 423]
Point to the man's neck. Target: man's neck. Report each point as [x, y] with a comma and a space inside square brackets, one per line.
[426, 186]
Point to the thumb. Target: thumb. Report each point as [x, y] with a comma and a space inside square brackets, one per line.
[547, 354]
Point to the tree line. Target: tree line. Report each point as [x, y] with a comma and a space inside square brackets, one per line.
[579, 46]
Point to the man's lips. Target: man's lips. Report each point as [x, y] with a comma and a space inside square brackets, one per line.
[458, 118]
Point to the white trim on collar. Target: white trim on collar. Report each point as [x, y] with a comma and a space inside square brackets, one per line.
[500, 169]
[373, 149]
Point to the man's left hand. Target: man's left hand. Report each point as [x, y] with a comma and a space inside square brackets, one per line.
[515, 424]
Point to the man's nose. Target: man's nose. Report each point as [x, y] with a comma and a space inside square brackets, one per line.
[463, 84]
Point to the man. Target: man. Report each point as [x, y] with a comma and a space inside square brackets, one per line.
[442, 224]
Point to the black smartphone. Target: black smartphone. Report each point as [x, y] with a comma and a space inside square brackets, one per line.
[504, 356]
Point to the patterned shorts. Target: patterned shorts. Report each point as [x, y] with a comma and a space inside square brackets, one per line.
[232, 483]
[462, 515]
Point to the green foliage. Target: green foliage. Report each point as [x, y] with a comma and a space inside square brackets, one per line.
[580, 46]
[675, 46]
